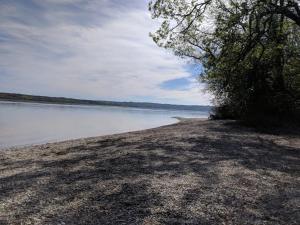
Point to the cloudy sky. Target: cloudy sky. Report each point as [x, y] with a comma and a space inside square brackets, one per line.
[91, 49]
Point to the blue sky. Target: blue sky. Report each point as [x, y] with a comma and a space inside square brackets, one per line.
[92, 49]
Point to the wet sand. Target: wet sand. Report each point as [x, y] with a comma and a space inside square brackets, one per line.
[193, 172]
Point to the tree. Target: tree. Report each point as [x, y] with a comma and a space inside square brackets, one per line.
[250, 51]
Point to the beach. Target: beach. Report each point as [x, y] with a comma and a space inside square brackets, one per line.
[196, 171]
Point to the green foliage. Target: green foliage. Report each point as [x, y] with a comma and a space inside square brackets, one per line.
[250, 51]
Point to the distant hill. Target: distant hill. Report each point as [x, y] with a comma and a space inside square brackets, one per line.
[62, 100]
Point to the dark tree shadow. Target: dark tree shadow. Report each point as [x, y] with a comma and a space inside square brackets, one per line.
[222, 173]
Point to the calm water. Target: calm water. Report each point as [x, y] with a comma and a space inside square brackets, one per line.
[34, 123]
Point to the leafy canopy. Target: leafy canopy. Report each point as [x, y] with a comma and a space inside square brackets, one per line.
[250, 50]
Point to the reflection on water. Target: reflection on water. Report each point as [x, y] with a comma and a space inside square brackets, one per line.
[34, 123]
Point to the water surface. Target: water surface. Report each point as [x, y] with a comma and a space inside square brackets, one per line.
[35, 123]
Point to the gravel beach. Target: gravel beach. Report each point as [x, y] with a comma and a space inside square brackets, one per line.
[192, 172]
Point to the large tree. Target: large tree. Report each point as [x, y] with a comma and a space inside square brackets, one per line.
[250, 50]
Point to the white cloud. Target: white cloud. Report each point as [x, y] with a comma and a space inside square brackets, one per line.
[112, 60]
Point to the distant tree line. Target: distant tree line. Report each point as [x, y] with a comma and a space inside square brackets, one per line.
[250, 51]
[61, 100]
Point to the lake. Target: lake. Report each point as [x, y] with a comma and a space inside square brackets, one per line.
[36, 123]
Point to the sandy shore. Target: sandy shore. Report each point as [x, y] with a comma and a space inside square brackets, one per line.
[193, 172]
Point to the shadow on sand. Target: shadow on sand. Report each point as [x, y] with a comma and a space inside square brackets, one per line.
[194, 172]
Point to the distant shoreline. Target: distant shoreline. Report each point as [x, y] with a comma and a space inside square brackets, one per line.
[13, 97]
[88, 105]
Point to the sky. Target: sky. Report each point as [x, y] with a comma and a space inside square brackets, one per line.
[91, 49]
